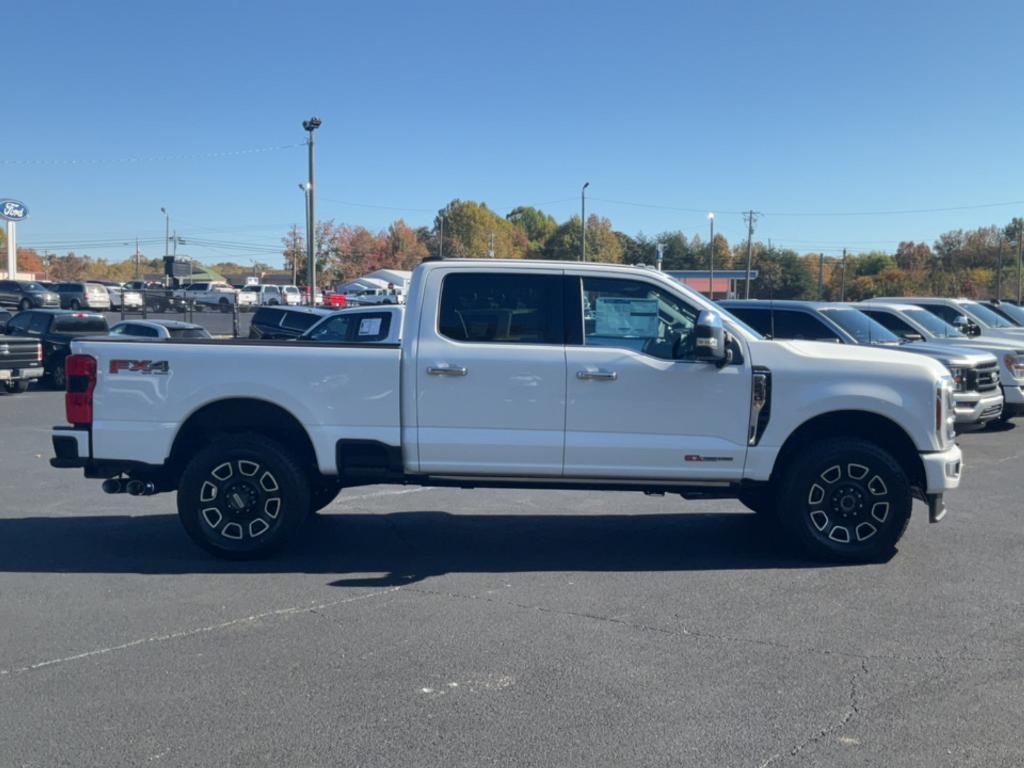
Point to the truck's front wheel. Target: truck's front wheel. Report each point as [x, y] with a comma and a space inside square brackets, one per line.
[242, 496]
[846, 500]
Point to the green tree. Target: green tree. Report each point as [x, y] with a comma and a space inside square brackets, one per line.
[470, 228]
[537, 226]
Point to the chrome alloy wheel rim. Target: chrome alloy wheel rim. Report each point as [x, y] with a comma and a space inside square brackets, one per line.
[848, 503]
[239, 500]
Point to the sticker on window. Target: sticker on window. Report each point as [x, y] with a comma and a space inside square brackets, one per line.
[369, 326]
[627, 318]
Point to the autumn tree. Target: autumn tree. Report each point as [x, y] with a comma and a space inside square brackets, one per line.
[470, 228]
[537, 225]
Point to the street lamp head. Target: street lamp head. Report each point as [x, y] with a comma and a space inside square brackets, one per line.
[163, 210]
[311, 125]
[586, 185]
[303, 186]
[711, 217]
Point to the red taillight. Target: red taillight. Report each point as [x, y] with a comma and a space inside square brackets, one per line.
[81, 376]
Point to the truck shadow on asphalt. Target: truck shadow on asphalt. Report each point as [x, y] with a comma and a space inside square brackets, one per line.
[405, 547]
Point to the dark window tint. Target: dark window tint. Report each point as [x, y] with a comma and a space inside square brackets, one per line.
[271, 317]
[790, 324]
[785, 323]
[893, 323]
[504, 309]
[71, 324]
[758, 319]
[7, 285]
[860, 326]
[946, 313]
[299, 321]
[188, 333]
[19, 323]
[38, 324]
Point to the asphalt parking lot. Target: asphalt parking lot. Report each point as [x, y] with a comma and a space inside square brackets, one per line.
[523, 628]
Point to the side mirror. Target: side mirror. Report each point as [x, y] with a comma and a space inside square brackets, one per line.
[710, 339]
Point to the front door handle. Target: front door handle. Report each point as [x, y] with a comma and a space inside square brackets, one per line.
[447, 370]
[598, 375]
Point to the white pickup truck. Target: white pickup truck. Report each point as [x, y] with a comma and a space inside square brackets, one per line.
[216, 295]
[524, 375]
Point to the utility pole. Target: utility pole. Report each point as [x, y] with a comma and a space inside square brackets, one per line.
[661, 254]
[842, 285]
[490, 251]
[583, 222]
[821, 276]
[309, 126]
[440, 239]
[138, 266]
[295, 255]
[1020, 250]
[999, 270]
[751, 217]
[711, 258]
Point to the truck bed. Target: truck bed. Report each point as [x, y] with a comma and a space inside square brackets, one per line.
[147, 389]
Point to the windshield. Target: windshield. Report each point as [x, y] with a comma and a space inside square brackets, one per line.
[33, 287]
[75, 325]
[935, 325]
[986, 315]
[861, 327]
[1016, 313]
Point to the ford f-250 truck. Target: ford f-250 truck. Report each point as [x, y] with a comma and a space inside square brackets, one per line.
[524, 375]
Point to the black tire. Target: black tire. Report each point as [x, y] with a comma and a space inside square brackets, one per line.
[24, 304]
[322, 492]
[16, 387]
[242, 496]
[75, 304]
[58, 378]
[845, 500]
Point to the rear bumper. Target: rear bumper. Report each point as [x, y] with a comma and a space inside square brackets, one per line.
[70, 447]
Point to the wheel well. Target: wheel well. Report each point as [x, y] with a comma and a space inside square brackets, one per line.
[868, 426]
[236, 416]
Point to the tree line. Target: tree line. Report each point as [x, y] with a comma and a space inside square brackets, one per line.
[973, 263]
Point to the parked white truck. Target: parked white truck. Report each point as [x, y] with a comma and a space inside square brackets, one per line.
[522, 374]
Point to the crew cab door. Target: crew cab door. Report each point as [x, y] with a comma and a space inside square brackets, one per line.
[490, 373]
[639, 404]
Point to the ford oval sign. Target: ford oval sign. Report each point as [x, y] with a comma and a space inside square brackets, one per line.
[13, 210]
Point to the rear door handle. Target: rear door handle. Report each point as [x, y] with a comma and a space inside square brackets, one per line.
[447, 370]
[598, 375]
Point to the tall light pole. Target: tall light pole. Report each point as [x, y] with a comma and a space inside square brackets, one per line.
[583, 222]
[711, 260]
[295, 261]
[309, 126]
[440, 239]
[167, 231]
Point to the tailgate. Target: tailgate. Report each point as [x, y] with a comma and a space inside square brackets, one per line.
[18, 353]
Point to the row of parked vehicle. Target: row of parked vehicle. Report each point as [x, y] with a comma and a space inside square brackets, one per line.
[36, 342]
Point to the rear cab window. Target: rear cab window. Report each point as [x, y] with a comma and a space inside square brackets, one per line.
[79, 325]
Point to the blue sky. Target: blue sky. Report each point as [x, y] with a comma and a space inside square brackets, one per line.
[805, 108]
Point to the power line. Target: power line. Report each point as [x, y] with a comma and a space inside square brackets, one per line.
[151, 158]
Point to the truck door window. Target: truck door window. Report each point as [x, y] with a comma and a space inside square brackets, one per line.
[638, 316]
[501, 308]
[893, 323]
[38, 324]
[758, 319]
[790, 324]
[946, 313]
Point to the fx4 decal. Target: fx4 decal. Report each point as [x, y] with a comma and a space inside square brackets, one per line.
[698, 457]
[140, 366]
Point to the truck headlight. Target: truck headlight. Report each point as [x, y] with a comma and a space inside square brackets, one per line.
[959, 378]
[945, 412]
[1015, 363]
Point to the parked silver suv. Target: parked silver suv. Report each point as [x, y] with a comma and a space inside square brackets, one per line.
[83, 296]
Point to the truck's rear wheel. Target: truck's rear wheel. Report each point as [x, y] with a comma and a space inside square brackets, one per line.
[242, 496]
[16, 387]
[846, 500]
